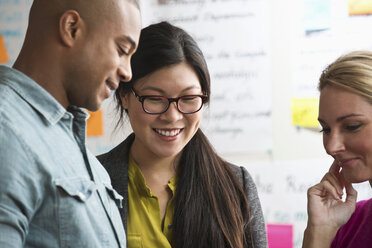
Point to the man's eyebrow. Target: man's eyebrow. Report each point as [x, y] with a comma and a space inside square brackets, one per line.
[131, 41]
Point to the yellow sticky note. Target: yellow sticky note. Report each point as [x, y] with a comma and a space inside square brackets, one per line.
[95, 123]
[360, 7]
[3, 53]
[305, 112]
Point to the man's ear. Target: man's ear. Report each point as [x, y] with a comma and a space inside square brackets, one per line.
[70, 27]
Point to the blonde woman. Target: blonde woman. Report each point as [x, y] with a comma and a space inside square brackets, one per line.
[345, 114]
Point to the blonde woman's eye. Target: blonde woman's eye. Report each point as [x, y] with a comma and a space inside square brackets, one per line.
[325, 130]
[353, 127]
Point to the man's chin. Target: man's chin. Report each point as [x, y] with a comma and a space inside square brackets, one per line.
[93, 107]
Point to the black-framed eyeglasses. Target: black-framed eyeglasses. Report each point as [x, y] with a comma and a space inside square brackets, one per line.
[187, 104]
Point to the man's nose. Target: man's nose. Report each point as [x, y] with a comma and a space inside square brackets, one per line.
[125, 70]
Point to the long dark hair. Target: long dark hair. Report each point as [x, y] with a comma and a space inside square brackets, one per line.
[211, 209]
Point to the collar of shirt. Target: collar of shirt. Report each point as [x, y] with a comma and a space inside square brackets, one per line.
[135, 175]
[38, 97]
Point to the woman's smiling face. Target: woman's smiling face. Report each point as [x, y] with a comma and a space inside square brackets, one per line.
[346, 119]
[164, 135]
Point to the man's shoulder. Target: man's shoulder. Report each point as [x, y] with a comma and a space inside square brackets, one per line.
[21, 126]
[7, 94]
[11, 102]
[10, 106]
[15, 113]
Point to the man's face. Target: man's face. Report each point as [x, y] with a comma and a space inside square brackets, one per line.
[103, 58]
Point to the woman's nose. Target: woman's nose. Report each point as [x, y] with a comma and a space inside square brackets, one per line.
[334, 144]
[172, 114]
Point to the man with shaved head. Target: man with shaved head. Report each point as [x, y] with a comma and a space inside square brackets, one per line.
[53, 192]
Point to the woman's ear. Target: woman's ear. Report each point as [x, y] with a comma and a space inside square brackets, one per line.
[70, 27]
[124, 100]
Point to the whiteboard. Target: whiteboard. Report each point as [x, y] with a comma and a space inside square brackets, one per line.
[235, 38]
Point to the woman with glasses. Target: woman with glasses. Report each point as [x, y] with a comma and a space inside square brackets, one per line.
[177, 191]
[345, 114]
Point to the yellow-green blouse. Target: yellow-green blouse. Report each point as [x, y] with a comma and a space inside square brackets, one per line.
[144, 223]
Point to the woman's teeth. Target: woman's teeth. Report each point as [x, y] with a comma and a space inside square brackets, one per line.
[168, 133]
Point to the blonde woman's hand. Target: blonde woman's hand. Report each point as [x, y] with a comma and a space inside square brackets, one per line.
[326, 210]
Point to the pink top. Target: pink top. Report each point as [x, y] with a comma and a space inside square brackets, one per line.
[357, 232]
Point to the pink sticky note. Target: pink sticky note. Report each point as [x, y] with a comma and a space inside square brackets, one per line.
[280, 236]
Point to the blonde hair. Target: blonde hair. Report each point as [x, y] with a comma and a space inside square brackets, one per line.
[352, 71]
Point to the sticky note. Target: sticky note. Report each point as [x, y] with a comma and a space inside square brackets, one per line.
[3, 53]
[95, 123]
[360, 7]
[317, 15]
[280, 235]
[305, 112]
